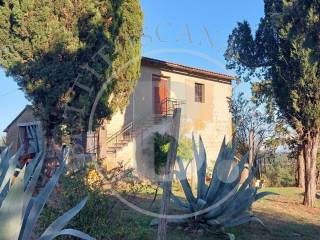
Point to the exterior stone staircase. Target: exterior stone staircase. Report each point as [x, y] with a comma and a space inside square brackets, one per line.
[121, 139]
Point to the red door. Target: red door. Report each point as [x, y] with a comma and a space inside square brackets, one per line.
[160, 94]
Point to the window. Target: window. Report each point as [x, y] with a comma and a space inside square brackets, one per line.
[199, 92]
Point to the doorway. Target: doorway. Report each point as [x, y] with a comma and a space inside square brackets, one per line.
[160, 94]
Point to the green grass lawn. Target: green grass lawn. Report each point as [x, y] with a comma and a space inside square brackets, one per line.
[284, 215]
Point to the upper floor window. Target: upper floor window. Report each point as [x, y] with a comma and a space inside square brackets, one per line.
[199, 92]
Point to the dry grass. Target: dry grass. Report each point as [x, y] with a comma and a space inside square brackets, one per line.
[284, 215]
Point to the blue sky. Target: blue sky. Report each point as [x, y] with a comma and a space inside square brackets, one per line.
[194, 33]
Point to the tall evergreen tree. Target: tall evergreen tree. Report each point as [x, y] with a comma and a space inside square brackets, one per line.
[62, 52]
[285, 52]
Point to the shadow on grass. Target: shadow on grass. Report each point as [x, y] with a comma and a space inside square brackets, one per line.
[279, 230]
[105, 217]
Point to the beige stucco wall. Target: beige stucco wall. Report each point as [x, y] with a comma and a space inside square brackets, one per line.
[211, 119]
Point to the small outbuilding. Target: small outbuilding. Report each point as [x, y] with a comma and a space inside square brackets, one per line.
[16, 131]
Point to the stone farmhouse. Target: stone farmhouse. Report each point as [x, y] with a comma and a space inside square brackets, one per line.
[202, 95]
[127, 138]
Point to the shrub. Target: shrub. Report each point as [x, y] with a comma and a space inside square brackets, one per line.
[104, 217]
[74, 186]
[185, 149]
[279, 174]
[161, 149]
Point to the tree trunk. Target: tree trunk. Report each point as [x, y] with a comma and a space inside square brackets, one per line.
[251, 154]
[167, 185]
[318, 179]
[251, 148]
[301, 168]
[310, 149]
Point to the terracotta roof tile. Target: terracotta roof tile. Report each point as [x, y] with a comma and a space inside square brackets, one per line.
[185, 69]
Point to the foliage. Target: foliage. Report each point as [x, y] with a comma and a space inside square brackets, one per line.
[280, 172]
[248, 117]
[94, 180]
[285, 54]
[224, 202]
[20, 208]
[278, 176]
[62, 52]
[185, 149]
[161, 148]
[103, 216]
[72, 188]
[269, 132]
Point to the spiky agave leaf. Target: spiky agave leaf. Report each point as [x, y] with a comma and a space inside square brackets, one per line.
[179, 202]
[225, 180]
[4, 157]
[38, 160]
[8, 168]
[11, 211]
[231, 200]
[76, 233]
[215, 181]
[201, 163]
[38, 204]
[55, 228]
[241, 204]
[182, 176]
[19, 210]
[8, 165]
[264, 194]
[234, 190]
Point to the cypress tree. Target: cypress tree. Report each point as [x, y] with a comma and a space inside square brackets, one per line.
[62, 52]
[285, 54]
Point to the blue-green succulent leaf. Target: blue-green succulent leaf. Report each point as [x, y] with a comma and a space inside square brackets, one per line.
[11, 211]
[39, 203]
[55, 228]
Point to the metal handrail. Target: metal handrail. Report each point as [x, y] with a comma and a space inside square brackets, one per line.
[173, 104]
[170, 105]
[121, 132]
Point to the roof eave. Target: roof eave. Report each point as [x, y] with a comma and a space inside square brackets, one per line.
[15, 119]
[186, 69]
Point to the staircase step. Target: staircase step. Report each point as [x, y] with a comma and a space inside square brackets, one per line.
[113, 148]
[135, 130]
[117, 146]
[110, 151]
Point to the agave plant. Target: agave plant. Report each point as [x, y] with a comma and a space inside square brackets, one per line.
[225, 201]
[19, 208]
